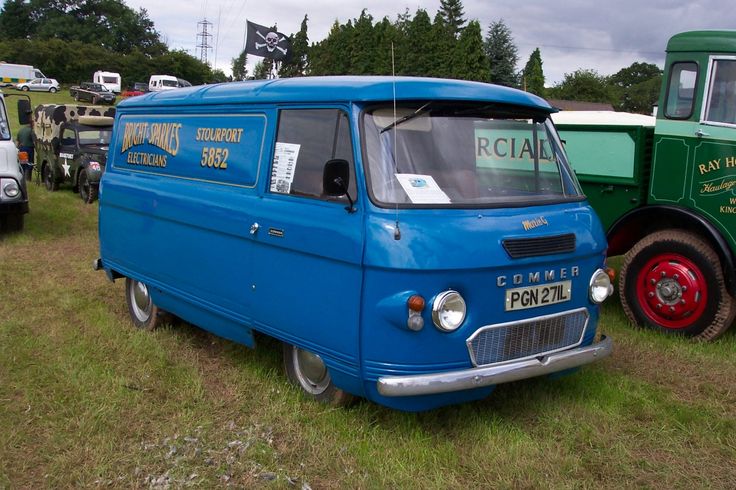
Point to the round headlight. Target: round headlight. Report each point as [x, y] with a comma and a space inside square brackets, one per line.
[11, 189]
[600, 286]
[448, 311]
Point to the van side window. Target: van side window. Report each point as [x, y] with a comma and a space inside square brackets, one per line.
[306, 140]
[722, 92]
[681, 90]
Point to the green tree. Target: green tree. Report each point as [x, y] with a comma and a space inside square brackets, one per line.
[263, 69]
[106, 23]
[583, 85]
[16, 21]
[636, 88]
[362, 48]
[533, 75]
[419, 59]
[471, 62]
[299, 63]
[452, 14]
[502, 54]
[239, 66]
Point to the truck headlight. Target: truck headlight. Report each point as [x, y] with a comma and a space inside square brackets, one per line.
[600, 286]
[448, 311]
[11, 189]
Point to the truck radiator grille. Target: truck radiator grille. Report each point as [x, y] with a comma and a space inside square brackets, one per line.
[519, 248]
[526, 339]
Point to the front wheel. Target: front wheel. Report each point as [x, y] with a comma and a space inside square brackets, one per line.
[25, 88]
[308, 371]
[672, 281]
[52, 90]
[143, 312]
[48, 179]
[87, 190]
[13, 222]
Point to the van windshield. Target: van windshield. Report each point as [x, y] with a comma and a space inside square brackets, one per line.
[4, 127]
[441, 154]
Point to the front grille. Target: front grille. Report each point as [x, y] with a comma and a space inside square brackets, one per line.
[519, 248]
[535, 337]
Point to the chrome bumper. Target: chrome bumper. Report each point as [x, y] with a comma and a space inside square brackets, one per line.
[435, 383]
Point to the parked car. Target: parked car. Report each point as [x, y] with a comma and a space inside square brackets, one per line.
[40, 85]
[138, 88]
[95, 93]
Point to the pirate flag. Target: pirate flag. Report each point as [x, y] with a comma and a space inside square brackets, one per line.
[266, 42]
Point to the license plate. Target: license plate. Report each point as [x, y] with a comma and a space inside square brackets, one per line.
[534, 296]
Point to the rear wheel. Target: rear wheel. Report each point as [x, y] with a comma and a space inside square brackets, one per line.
[143, 313]
[87, 190]
[308, 371]
[48, 179]
[672, 281]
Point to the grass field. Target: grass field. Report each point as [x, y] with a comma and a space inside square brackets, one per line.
[86, 400]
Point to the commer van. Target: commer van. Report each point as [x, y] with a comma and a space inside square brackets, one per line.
[411, 241]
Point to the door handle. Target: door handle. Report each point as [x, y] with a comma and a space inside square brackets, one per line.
[700, 133]
[254, 228]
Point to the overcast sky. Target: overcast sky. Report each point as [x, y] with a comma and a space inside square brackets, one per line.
[570, 34]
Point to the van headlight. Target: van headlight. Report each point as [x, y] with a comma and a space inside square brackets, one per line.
[600, 286]
[448, 311]
[11, 189]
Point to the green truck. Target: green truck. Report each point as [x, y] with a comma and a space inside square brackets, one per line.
[71, 146]
[665, 189]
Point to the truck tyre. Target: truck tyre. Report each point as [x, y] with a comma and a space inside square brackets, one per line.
[308, 372]
[143, 312]
[13, 222]
[671, 281]
[87, 191]
[48, 179]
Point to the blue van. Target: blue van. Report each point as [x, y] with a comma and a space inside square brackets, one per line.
[411, 241]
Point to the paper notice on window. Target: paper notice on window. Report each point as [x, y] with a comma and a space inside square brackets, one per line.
[422, 189]
[284, 164]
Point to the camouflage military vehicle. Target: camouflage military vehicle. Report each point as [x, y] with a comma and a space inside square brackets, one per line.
[71, 146]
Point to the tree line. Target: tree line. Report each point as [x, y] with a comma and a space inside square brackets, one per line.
[449, 46]
[71, 39]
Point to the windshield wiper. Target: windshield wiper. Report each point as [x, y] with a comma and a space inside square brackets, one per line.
[408, 117]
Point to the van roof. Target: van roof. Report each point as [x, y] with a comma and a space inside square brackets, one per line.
[337, 89]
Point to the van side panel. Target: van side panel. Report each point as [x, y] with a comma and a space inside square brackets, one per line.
[174, 212]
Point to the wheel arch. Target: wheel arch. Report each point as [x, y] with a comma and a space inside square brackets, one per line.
[640, 222]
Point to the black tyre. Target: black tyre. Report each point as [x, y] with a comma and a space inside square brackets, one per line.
[87, 190]
[52, 90]
[672, 282]
[48, 179]
[143, 312]
[308, 371]
[25, 88]
[12, 222]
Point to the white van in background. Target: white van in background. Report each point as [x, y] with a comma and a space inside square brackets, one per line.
[109, 79]
[158, 83]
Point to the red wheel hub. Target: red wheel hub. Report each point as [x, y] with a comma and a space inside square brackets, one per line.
[672, 291]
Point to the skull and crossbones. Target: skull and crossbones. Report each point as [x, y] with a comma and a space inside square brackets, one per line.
[271, 43]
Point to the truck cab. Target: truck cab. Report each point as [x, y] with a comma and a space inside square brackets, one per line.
[666, 192]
